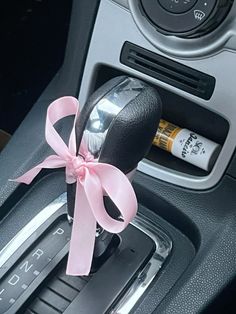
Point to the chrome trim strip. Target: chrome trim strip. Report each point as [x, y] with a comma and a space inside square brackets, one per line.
[31, 227]
[141, 283]
[162, 242]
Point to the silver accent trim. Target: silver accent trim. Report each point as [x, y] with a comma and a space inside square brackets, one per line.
[123, 3]
[162, 242]
[31, 227]
[221, 38]
[146, 276]
[107, 30]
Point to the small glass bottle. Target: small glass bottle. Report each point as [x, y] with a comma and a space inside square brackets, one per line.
[187, 145]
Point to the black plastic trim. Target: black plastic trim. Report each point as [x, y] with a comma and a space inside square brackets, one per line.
[168, 71]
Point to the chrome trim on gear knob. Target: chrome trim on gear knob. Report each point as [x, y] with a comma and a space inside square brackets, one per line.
[105, 111]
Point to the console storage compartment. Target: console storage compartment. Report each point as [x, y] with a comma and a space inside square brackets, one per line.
[182, 112]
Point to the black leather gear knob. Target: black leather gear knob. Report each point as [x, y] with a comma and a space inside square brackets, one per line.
[118, 124]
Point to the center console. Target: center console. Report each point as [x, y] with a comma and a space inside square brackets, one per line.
[178, 254]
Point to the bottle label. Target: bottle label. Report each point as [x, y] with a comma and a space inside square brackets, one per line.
[194, 148]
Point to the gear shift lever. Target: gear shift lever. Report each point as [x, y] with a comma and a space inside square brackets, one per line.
[117, 124]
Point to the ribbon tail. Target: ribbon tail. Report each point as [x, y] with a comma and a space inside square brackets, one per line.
[110, 180]
[52, 161]
[82, 236]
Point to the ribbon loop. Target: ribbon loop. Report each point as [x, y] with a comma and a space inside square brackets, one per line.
[93, 181]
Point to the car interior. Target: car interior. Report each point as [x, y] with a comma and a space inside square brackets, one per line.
[155, 81]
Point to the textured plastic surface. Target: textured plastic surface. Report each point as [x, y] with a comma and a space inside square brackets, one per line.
[232, 167]
[208, 219]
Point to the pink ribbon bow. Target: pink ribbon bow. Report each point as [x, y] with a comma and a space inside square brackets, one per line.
[94, 180]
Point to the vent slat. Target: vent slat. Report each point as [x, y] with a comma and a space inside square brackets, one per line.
[162, 61]
[168, 71]
[162, 77]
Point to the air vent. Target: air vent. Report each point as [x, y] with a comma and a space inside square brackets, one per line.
[168, 71]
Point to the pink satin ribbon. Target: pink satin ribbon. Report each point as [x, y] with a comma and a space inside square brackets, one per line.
[93, 181]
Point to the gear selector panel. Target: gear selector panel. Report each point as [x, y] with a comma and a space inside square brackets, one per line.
[23, 284]
[37, 258]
